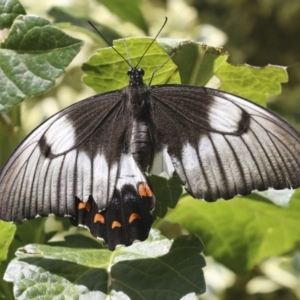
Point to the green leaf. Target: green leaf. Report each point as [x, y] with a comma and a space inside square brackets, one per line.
[7, 232]
[242, 232]
[197, 62]
[167, 193]
[30, 231]
[49, 272]
[107, 71]
[252, 83]
[9, 10]
[34, 54]
[128, 11]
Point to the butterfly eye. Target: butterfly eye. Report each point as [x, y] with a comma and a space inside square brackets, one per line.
[129, 72]
[141, 72]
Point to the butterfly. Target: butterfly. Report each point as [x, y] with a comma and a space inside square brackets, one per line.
[88, 162]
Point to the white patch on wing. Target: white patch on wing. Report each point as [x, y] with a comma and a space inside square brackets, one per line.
[167, 163]
[66, 183]
[60, 135]
[228, 164]
[83, 176]
[162, 164]
[104, 178]
[192, 168]
[53, 188]
[37, 191]
[42, 189]
[129, 172]
[209, 161]
[213, 172]
[224, 116]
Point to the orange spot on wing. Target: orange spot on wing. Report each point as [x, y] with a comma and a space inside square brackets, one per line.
[99, 218]
[84, 205]
[144, 190]
[134, 216]
[116, 224]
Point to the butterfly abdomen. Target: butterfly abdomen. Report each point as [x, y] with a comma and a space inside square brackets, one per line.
[141, 145]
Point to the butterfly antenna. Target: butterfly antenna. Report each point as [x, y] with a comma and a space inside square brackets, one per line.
[110, 44]
[166, 19]
[127, 52]
[157, 69]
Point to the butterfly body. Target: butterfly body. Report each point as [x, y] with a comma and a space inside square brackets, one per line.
[142, 140]
[88, 161]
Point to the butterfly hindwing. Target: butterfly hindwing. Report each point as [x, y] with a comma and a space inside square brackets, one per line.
[129, 215]
[227, 145]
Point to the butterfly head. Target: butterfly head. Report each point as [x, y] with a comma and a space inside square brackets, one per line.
[135, 76]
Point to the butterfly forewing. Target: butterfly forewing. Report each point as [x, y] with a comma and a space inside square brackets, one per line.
[71, 154]
[222, 145]
[78, 164]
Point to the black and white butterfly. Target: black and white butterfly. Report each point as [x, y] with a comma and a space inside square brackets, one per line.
[89, 160]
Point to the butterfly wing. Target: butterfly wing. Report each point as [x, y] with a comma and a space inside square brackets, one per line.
[129, 215]
[222, 145]
[71, 154]
[77, 164]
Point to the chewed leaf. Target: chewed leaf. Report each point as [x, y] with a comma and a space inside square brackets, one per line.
[107, 71]
[252, 83]
[197, 62]
[33, 55]
[193, 63]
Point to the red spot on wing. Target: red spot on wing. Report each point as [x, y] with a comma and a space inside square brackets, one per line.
[133, 217]
[84, 205]
[144, 190]
[116, 224]
[99, 218]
